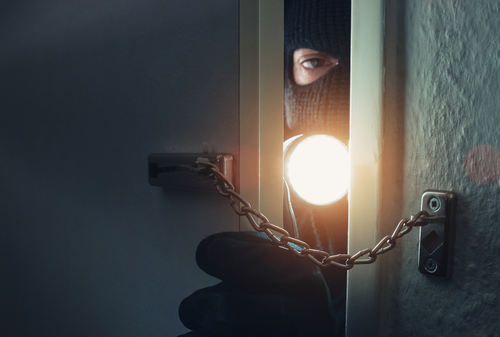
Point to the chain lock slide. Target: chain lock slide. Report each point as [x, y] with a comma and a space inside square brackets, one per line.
[179, 171]
[436, 238]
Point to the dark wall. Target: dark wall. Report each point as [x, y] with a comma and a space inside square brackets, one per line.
[88, 88]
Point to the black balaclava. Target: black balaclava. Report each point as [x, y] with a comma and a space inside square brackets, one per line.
[322, 106]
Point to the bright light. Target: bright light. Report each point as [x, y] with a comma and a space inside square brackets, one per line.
[317, 168]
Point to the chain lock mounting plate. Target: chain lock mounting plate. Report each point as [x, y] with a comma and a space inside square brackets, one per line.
[178, 171]
[436, 238]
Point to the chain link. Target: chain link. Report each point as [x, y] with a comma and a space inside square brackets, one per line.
[321, 258]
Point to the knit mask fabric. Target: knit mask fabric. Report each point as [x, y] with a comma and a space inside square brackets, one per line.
[321, 106]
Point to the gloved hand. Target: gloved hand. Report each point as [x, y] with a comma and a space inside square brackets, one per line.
[265, 291]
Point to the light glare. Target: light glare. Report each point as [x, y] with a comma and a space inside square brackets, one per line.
[318, 169]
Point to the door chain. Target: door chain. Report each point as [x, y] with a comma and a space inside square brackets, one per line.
[300, 248]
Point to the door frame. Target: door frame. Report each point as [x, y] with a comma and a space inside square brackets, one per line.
[261, 107]
[367, 84]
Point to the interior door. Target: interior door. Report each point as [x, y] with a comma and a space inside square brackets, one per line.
[88, 90]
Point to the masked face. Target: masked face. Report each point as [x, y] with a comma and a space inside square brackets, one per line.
[316, 95]
[317, 39]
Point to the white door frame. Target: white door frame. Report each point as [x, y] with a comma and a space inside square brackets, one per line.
[261, 107]
[367, 75]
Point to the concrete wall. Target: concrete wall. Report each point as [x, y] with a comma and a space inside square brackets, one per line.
[88, 88]
[442, 103]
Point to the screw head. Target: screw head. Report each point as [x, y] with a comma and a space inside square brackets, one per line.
[431, 265]
[434, 204]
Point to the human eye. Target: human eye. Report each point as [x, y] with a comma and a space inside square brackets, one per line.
[309, 65]
[313, 63]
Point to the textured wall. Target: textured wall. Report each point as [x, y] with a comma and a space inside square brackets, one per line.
[88, 88]
[448, 69]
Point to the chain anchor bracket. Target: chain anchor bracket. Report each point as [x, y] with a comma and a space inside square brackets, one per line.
[436, 238]
[181, 171]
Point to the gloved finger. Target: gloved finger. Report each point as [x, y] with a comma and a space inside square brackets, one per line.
[250, 260]
[225, 311]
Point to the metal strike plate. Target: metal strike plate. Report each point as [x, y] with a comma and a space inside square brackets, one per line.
[177, 170]
[436, 238]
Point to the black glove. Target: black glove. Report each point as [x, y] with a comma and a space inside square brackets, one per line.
[265, 291]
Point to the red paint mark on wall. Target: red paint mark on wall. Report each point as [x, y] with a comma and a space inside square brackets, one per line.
[482, 164]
